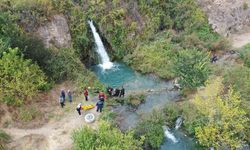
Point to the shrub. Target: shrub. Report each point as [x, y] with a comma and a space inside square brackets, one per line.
[238, 76]
[20, 78]
[135, 100]
[4, 138]
[106, 137]
[245, 55]
[192, 68]
[151, 128]
[27, 114]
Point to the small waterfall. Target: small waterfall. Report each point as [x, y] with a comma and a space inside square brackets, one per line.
[169, 135]
[178, 123]
[105, 61]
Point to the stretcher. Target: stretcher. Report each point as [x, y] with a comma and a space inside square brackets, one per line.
[87, 107]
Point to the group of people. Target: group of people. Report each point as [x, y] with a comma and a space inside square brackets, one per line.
[62, 97]
[118, 92]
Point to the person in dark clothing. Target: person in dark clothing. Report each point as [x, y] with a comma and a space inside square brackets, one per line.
[70, 96]
[214, 58]
[117, 92]
[61, 101]
[99, 105]
[63, 95]
[78, 108]
[122, 92]
[86, 94]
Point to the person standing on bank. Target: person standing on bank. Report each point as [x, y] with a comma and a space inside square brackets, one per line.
[102, 96]
[61, 101]
[86, 93]
[78, 108]
[70, 96]
[63, 95]
[122, 92]
[99, 105]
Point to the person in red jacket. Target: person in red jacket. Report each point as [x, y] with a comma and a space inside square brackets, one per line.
[102, 96]
[86, 93]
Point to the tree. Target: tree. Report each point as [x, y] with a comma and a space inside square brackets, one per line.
[19, 78]
[105, 138]
[227, 122]
[192, 67]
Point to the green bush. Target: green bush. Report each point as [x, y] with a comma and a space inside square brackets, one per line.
[135, 100]
[105, 137]
[151, 128]
[20, 79]
[192, 68]
[245, 55]
[154, 57]
[4, 138]
[239, 77]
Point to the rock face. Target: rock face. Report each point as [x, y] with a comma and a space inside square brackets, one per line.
[227, 17]
[55, 33]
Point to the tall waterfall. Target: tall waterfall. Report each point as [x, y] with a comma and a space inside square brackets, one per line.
[105, 61]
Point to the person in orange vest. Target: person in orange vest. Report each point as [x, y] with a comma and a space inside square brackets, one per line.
[86, 93]
[102, 96]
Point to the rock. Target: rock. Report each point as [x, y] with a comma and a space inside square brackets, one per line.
[55, 33]
[227, 16]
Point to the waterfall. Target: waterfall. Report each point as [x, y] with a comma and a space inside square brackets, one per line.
[105, 61]
[178, 123]
[169, 135]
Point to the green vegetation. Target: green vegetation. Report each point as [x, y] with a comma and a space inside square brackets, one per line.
[192, 68]
[151, 128]
[105, 137]
[245, 55]
[4, 138]
[20, 79]
[26, 114]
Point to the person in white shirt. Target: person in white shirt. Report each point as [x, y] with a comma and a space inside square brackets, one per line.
[78, 108]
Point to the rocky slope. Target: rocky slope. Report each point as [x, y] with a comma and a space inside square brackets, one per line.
[230, 18]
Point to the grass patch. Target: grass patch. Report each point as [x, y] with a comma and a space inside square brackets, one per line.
[26, 114]
[4, 138]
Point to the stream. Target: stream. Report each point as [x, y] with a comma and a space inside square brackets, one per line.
[157, 95]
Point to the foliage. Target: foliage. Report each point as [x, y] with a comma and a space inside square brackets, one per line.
[4, 138]
[239, 77]
[20, 78]
[106, 137]
[151, 128]
[192, 68]
[222, 110]
[245, 54]
[154, 57]
[135, 100]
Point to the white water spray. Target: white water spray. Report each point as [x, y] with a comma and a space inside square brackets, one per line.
[178, 123]
[169, 135]
[105, 61]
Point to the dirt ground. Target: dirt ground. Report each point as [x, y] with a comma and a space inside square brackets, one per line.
[53, 130]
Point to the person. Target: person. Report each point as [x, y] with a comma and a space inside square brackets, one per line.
[61, 101]
[117, 92]
[70, 96]
[102, 96]
[110, 91]
[122, 92]
[86, 93]
[99, 105]
[63, 95]
[78, 108]
[176, 85]
[214, 58]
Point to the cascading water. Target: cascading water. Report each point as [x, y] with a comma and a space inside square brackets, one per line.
[178, 123]
[169, 135]
[105, 61]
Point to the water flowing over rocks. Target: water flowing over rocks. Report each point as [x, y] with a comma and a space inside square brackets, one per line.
[55, 33]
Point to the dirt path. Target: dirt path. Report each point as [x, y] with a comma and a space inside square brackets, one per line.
[239, 40]
[55, 134]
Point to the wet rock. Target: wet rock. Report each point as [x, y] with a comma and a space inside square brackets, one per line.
[55, 33]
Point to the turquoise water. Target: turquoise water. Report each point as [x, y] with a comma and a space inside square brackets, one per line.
[122, 75]
[184, 142]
